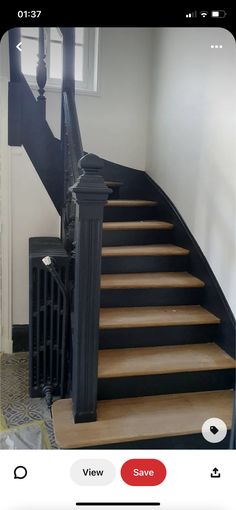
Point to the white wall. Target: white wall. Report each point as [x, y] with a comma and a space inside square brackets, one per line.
[192, 133]
[114, 123]
[33, 214]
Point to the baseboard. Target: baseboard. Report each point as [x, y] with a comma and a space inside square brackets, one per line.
[20, 337]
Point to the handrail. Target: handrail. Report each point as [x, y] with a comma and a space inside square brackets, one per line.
[70, 106]
[73, 143]
[72, 152]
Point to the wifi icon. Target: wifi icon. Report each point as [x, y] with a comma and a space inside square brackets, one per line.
[203, 14]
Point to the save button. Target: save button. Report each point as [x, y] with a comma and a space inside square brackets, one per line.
[143, 472]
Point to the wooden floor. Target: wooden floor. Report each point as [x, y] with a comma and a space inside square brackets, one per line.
[154, 316]
[150, 280]
[162, 360]
[130, 203]
[137, 225]
[144, 250]
[141, 418]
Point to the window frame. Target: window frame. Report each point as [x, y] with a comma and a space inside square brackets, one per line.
[89, 85]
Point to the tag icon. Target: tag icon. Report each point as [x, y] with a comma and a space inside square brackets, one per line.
[214, 430]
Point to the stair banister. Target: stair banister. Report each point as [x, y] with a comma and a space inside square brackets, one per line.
[72, 153]
[70, 165]
[90, 193]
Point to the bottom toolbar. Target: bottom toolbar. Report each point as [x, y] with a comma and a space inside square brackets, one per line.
[116, 480]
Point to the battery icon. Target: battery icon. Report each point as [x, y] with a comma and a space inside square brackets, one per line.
[218, 14]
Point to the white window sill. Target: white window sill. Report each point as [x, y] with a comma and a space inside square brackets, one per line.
[56, 88]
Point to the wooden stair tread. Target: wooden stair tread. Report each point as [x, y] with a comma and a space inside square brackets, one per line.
[153, 316]
[162, 360]
[150, 280]
[144, 250]
[137, 225]
[114, 184]
[130, 203]
[140, 418]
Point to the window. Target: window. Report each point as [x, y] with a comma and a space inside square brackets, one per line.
[86, 55]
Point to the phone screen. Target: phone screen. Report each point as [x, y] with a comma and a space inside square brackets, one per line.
[118, 260]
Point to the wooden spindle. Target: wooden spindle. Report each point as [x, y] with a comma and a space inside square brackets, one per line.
[41, 73]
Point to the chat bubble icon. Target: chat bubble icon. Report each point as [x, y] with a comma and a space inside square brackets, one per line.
[20, 472]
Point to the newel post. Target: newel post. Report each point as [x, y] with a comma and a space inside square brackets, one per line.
[90, 193]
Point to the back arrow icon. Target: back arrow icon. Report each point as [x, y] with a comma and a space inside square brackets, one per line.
[18, 46]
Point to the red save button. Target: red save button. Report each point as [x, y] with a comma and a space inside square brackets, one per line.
[143, 472]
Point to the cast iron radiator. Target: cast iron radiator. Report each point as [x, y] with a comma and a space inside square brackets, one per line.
[48, 318]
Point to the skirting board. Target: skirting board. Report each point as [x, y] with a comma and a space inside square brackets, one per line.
[20, 337]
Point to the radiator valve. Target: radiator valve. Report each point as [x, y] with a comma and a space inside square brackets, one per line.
[47, 261]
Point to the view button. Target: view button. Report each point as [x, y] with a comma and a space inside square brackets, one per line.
[93, 472]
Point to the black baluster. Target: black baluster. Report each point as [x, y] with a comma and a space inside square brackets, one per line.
[41, 73]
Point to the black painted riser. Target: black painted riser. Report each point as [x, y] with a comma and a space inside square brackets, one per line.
[144, 264]
[145, 337]
[140, 386]
[188, 442]
[131, 237]
[115, 193]
[151, 297]
[130, 213]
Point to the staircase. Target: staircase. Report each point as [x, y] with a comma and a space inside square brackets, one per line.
[161, 373]
[153, 337]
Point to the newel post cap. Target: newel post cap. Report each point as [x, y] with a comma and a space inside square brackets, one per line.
[90, 185]
[91, 162]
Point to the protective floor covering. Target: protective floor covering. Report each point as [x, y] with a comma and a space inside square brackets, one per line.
[16, 405]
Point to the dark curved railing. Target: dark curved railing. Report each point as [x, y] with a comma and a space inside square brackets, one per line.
[72, 153]
[72, 123]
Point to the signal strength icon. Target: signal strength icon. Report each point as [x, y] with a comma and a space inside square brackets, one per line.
[191, 14]
[204, 14]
